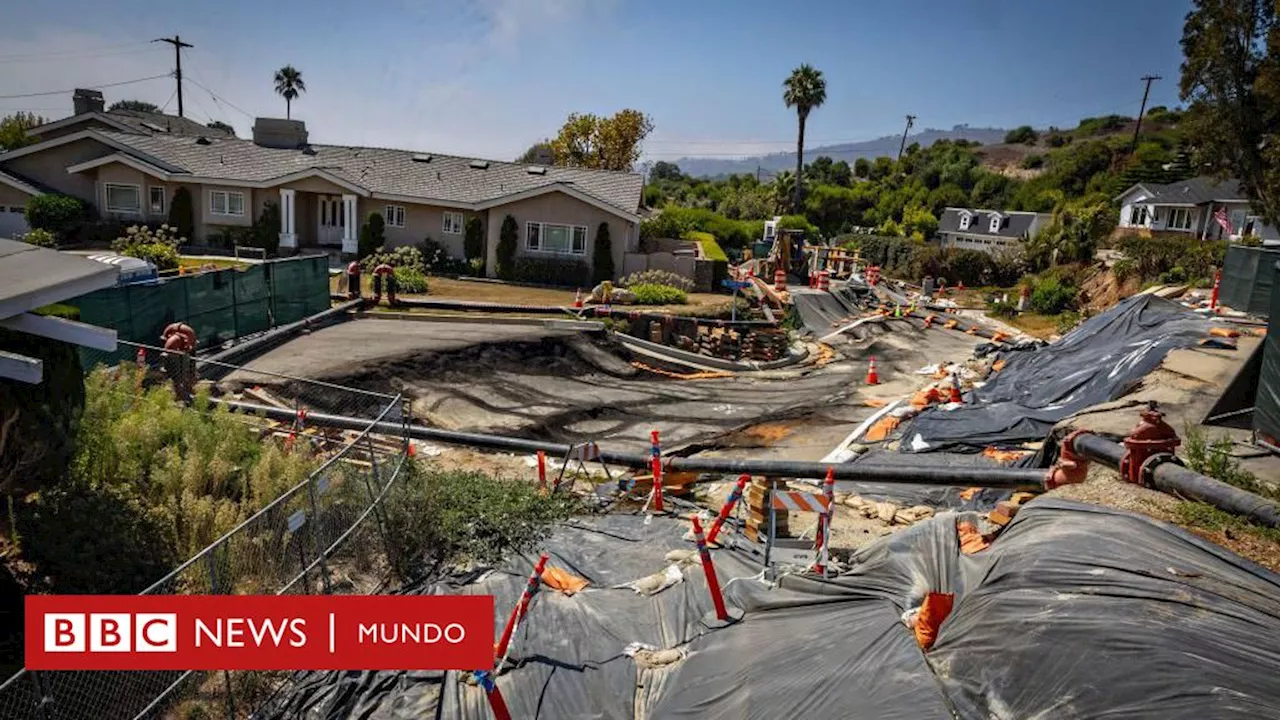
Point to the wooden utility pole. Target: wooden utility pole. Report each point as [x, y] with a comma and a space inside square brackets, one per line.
[176, 42]
[1148, 79]
[903, 145]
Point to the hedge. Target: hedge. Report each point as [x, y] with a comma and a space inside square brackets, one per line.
[552, 271]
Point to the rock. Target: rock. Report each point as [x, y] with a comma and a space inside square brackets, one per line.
[886, 511]
[681, 556]
[907, 516]
[853, 501]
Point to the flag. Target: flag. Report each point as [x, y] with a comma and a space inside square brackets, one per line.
[1221, 217]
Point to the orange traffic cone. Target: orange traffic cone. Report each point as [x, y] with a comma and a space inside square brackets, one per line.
[955, 389]
[577, 299]
[873, 377]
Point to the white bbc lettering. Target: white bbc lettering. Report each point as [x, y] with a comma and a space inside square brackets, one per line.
[230, 632]
[419, 633]
[64, 632]
[110, 632]
[155, 632]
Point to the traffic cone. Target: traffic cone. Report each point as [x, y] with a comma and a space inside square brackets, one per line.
[577, 299]
[873, 377]
[955, 389]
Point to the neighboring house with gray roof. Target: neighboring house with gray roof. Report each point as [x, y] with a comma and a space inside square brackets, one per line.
[326, 191]
[989, 231]
[1198, 206]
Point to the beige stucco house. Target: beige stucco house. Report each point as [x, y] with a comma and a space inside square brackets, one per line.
[324, 191]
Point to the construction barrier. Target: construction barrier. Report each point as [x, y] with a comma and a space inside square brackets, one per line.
[822, 538]
[794, 500]
[780, 280]
[656, 467]
[727, 508]
[873, 275]
[521, 608]
[713, 582]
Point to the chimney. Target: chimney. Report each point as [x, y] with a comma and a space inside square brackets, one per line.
[278, 133]
[87, 101]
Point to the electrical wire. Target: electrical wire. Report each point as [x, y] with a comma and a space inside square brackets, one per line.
[172, 95]
[104, 51]
[216, 99]
[91, 87]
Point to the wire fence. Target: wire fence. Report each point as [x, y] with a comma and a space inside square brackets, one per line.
[324, 535]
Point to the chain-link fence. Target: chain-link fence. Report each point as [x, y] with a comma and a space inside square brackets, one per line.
[324, 535]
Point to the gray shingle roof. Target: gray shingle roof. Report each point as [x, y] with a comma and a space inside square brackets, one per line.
[395, 172]
[1014, 224]
[147, 122]
[1196, 191]
[25, 180]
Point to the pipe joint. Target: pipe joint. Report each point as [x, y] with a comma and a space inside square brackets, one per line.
[1147, 471]
[1071, 467]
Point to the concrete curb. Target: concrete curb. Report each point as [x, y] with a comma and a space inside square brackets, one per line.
[794, 356]
[578, 325]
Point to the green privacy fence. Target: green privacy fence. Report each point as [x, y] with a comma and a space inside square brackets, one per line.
[1248, 274]
[220, 305]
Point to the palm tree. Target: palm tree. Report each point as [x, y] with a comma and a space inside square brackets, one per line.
[804, 90]
[288, 85]
[784, 187]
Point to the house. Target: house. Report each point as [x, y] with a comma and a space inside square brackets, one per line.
[989, 231]
[1198, 206]
[324, 192]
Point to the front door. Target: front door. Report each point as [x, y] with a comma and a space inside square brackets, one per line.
[332, 215]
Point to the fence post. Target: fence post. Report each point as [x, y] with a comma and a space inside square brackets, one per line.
[45, 700]
[315, 535]
[214, 587]
[373, 498]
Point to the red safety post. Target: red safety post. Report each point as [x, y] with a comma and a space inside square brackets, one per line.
[1217, 283]
[656, 466]
[542, 470]
[713, 583]
[823, 535]
[496, 702]
[522, 607]
[734, 496]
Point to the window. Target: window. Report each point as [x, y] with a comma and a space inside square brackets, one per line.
[157, 200]
[964, 221]
[1179, 219]
[452, 223]
[995, 223]
[395, 216]
[561, 239]
[123, 198]
[1138, 216]
[223, 202]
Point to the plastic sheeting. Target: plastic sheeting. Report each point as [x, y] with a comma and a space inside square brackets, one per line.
[821, 311]
[1266, 406]
[1075, 611]
[1099, 361]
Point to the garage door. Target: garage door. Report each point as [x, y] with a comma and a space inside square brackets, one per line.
[13, 221]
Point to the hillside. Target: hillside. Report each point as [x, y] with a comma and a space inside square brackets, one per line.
[849, 152]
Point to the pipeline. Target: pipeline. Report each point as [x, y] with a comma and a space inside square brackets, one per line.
[274, 337]
[990, 477]
[1172, 478]
[581, 313]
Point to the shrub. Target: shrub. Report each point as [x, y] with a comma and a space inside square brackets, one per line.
[1152, 256]
[373, 234]
[437, 260]
[407, 257]
[411, 281]
[229, 236]
[266, 229]
[40, 238]
[710, 248]
[1003, 309]
[602, 255]
[438, 519]
[505, 261]
[650, 294]
[58, 214]
[473, 241]
[37, 422]
[1025, 134]
[1051, 296]
[1033, 161]
[1214, 459]
[551, 271]
[1067, 322]
[657, 277]
[1055, 139]
[182, 213]
[158, 247]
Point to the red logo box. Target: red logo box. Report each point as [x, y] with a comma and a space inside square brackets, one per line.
[259, 632]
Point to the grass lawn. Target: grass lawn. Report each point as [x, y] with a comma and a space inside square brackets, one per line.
[194, 262]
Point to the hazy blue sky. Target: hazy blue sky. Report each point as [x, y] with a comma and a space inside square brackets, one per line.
[488, 77]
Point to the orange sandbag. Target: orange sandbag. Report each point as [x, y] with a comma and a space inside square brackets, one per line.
[971, 538]
[1004, 456]
[999, 337]
[951, 324]
[882, 427]
[926, 397]
[969, 493]
[1259, 332]
[562, 580]
[936, 608]
[875, 402]
[1224, 332]
[998, 365]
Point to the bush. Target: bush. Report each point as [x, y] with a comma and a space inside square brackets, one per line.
[1214, 459]
[551, 271]
[1025, 134]
[229, 236]
[158, 247]
[266, 229]
[1033, 161]
[437, 260]
[657, 277]
[505, 261]
[1003, 309]
[1051, 296]
[1055, 140]
[1067, 322]
[38, 422]
[40, 238]
[710, 248]
[1158, 254]
[650, 294]
[407, 257]
[411, 281]
[602, 255]
[473, 240]
[182, 213]
[58, 214]
[440, 519]
[373, 234]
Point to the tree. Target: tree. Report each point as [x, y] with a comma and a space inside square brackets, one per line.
[473, 240]
[13, 130]
[289, 85]
[602, 143]
[539, 153]
[182, 213]
[372, 234]
[505, 265]
[804, 90]
[663, 170]
[224, 127]
[882, 168]
[1025, 134]
[602, 257]
[784, 190]
[1231, 80]
[862, 168]
[135, 105]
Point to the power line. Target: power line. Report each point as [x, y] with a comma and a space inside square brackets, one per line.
[91, 87]
[215, 97]
[83, 52]
[176, 42]
[165, 106]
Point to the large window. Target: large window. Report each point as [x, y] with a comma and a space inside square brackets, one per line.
[123, 198]
[1179, 218]
[395, 216]
[964, 221]
[156, 197]
[552, 238]
[1138, 216]
[995, 223]
[223, 202]
[452, 223]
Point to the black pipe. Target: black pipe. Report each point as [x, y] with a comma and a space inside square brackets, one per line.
[1177, 480]
[271, 338]
[957, 476]
[579, 313]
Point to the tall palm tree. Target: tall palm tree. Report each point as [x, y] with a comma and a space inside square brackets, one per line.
[784, 188]
[804, 90]
[288, 86]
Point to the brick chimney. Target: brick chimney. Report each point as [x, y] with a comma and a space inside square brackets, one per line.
[87, 101]
[278, 133]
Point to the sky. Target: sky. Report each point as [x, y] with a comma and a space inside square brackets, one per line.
[489, 77]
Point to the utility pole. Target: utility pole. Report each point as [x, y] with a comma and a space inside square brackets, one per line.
[1148, 79]
[757, 173]
[176, 42]
[903, 145]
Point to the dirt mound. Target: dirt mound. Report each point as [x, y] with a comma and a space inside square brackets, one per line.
[1102, 289]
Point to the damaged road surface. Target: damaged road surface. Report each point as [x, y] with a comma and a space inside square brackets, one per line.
[1074, 611]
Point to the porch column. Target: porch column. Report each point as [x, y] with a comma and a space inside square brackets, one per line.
[350, 225]
[288, 236]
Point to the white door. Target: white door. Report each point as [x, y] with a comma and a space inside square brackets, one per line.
[332, 213]
[13, 221]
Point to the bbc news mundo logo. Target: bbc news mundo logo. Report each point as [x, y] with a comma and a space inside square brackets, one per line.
[110, 632]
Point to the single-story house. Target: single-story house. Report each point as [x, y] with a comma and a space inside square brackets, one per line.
[1202, 206]
[989, 231]
[325, 192]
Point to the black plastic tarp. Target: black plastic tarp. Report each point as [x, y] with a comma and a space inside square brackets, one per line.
[1248, 275]
[821, 312]
[1097, 362]
[1266, 406]
[1075, 611]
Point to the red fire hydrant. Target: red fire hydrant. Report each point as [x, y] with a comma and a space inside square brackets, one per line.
[353, 280]
[1150, 438]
